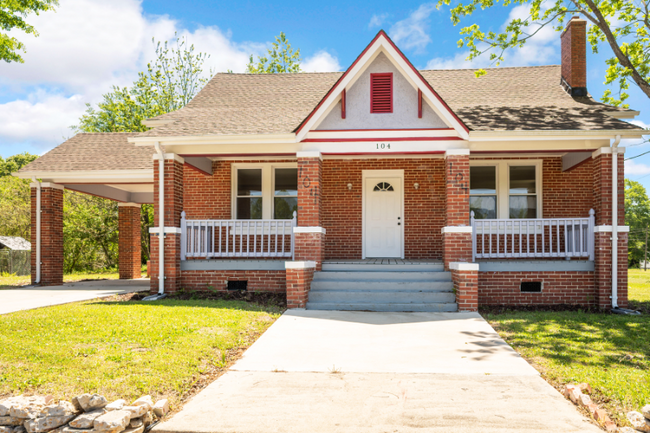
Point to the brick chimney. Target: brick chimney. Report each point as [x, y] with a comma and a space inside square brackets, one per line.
[574, 57]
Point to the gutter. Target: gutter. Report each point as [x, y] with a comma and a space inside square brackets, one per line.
[615, 222]
[37, 280]
[161, 224]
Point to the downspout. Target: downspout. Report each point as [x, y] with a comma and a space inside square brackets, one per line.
[161, 219]
[37, 280]
[615, 221]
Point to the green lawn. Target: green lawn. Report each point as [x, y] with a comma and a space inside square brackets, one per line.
[610, 352]
[125, 349]
[10, 281]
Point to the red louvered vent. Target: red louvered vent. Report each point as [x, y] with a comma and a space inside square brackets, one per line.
[381, 93]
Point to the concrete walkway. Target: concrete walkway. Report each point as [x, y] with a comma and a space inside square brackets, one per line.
[319, 371]
[28, 298]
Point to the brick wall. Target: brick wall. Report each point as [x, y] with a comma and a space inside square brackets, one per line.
[173, 192]
[129, 257]
[603, 268]
[423, 208]
[298, 284]
[466, 287]
[172, 262]
[51, 236]
[262, 281]
[602, 189]
[568, 193]
[310, 181]
[503, 288]
[457, 190]
[310, 246]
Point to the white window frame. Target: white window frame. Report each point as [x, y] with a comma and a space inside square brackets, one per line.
[503, 182]
[268, 185]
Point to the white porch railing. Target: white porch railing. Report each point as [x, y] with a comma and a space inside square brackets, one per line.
[237, 238]
[533, 238]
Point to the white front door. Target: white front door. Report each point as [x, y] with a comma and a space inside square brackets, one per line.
[383, 234]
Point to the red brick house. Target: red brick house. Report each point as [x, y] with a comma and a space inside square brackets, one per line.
[380, 188]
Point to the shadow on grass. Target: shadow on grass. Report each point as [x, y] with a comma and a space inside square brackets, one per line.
[642, 306]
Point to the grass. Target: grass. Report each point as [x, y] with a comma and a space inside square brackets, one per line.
[125, 349]
[610, 352]
[11, 281]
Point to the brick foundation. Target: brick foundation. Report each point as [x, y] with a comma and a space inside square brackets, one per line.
[51, 235]
[258, 281]
[298, 283]
[558, 288]
[464, 276]
[130, 249]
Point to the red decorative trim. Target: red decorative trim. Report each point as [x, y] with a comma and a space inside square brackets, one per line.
[187, 164]
[339, 140]
[426, 83]
[367, 130]
[105, 183]
[419, 104]
[343, 104]
[381, 92]
[237, 155]
[474, 152]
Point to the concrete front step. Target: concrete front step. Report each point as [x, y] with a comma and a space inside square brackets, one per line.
[362, 267]
[418, 286]
[366, 306]
[382, 297]
[381, 276]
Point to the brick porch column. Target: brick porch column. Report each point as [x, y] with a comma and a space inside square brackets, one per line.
[51, 233]
[310, 235]
[299, 276]
[457, 233]
[602, 174]
[172, 232]
[465, 279]
[130, 248]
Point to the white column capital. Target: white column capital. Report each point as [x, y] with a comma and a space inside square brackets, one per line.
[607, 151]
[170, 157]
[129, 205]
[456, 152]
[47, 185]
[309, 154]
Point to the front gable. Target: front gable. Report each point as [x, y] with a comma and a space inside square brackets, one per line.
[404, 113]
[416, 105]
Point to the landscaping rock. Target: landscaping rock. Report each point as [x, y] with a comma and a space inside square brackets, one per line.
[19, 429]
[116, 405]
[592, 407]
[574, 395]
[161, 408]
[584, 400]
[645, 410]
[68, 429]
[86, 420]
[6, 429]
[144, 401]
[135, 430]
[28, 407]
[5, 406]
[584, 388]
[610, 426]
[601, 415]
[567, 389]
[89, 402]
[45, 424]
[11, 421]
[627, 430]
[135, 423]
[114, 421]
[136, 411]
[63, 408]
[147, 419]
[638, 421]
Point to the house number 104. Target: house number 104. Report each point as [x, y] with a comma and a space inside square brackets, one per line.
[383, 146]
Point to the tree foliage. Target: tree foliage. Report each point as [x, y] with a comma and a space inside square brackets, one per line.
[622, 25]
[169, 83]
[637, 216]
[281, 58]
[12, 16]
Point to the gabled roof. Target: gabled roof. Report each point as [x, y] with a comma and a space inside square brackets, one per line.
[15, 243]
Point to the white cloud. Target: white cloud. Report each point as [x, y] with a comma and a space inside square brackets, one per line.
[633, 168]
[377, 20]
[411, 33]
[322, 61]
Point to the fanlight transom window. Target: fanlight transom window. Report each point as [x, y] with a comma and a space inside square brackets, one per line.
[383, 186]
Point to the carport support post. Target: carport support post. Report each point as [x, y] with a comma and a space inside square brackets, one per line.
[130, 246]
[173, 196]
[51, 233]
[457, 233]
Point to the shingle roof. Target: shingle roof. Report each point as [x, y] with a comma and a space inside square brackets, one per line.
[94, 151]
[15, 243]
[521, 98]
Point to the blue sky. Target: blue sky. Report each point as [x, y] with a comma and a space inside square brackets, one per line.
[89, 45]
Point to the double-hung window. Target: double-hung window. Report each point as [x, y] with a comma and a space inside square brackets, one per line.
[505, 189]
[264, 191]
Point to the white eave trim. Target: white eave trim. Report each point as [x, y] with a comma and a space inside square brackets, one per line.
[622, 114]
[554, 134]
[111, 176]
[180, 140]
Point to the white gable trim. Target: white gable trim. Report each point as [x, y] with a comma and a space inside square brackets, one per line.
[381, 44]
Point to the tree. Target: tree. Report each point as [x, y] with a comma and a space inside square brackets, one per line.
[15, 163]
[637, 216]
[12, 16]
[623, 25]
[281, 59]
[170, 82]
[15, 212]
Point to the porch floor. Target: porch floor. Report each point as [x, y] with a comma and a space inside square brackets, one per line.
[381, 261]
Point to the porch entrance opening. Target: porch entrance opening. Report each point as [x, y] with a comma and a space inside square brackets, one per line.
[383, 234]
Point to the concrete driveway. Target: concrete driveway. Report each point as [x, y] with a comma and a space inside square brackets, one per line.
[319, 371]
[28, 298]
